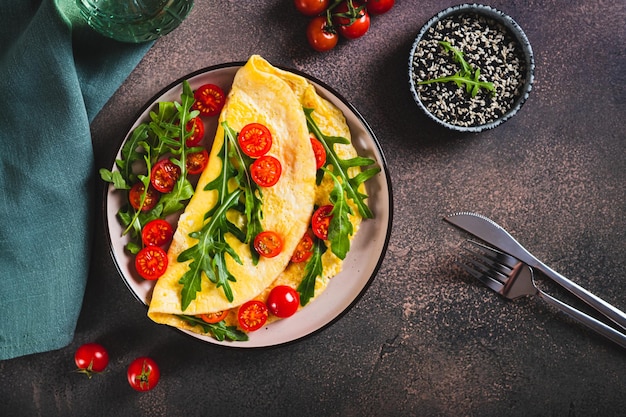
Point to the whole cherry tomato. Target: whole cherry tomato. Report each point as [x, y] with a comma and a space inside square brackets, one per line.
[321, 36]
[143, 374]
[91, 358]
[355, 26]
[379, 6]
[311, 7]
[283, 301]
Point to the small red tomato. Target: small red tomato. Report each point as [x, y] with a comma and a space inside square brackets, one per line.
[157, 232]
[319, 152]
[210, 100]
[135, 193]
[268, 244]
[252, 315]
[379, 6]
[214, 317]
[164, 175]
[321, 221]
[320, 35]
[255, 140]
[197, 161]
[283, 301]
[266, 171]
[143, 374]
[311, 7]
[151, 262]
[91, 358]
[304, 250]
[354, 27]
[196, 127]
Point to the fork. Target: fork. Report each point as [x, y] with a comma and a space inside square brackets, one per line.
[513, 279]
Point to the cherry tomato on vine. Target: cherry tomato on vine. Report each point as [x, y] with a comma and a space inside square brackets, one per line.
[311, 7]
[91, 358]
[321, 221]
[214, 317]
[268, 244]
[157, 232]
[255, 140]
[304, 250]
[151, 262]
[197, 161]
[283, 301]
[379, 6]
[196, 127]
[135, 193]
[266, 171]
[164, 175]
[210, 100]
[319, 151]
[252, 315]
[320, 35]
[143, 374]
[349, 28]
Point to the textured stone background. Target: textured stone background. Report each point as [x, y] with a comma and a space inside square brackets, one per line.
[425, 339]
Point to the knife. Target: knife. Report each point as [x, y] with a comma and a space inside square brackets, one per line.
[493, 234]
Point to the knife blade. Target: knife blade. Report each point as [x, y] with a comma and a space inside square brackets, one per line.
[492, 233]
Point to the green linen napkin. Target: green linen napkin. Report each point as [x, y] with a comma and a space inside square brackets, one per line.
[55, 75]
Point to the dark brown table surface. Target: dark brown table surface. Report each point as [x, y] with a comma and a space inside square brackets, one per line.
[425, 339]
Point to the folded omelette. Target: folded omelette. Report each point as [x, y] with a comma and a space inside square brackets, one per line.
[275, 98]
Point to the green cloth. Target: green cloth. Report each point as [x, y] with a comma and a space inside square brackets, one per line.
[55, 76]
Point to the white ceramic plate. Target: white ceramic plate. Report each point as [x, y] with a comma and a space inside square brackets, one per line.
[361, 264]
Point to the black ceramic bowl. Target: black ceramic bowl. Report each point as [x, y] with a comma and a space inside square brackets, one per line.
[471, 68]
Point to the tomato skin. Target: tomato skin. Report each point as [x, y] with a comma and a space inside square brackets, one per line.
[355, 29]
[321, 221]
[283, 301]
[320, 35]
[210, 100]
[252, 315]
[266, 171]
[151, 262]
[319, 151]
[255, 140]
[214, 317]
[143, 374]
[157, 232]
[164, 175]
[197, 161]
[196, 126]
[304, 250]
[379, 6]
[311, 7]
[91, 358]
[134, 197]
[268, 244]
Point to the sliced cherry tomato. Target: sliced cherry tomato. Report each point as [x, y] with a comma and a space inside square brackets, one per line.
[354, 27]
[197, 161]
[214, 317]
[196, 127]
[283, 301]
[268, 244]
[304, 250]
[319, 151]
[210, 100]
[255, 140]
[266, 171]
[321, 221]
[151, 262]
[164, 175]
[252, 315]
[320, 35]
[143, 374]
[135, 193]
[379, 6]
[91, 358]
[157, 232]
[311, 7]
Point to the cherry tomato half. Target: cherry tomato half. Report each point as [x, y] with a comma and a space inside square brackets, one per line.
[283, 301]
[320, 35]
[255, 140]
[319, 151]
[252, 315]
[321, 221]
[135, 193]
[304, 250]
[214, 317]
[356, 28]
[151, 262]
[143, 374]
[157, 232]
[210, 100]
[164, 175]
[268, 244]
[311, 7]
[266, 171]
[91, 358]
[197, 161]
[379, 6]
[196, 127]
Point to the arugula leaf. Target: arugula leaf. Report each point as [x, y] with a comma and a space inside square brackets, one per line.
[340, 228]
[312, 270]
[219, 330]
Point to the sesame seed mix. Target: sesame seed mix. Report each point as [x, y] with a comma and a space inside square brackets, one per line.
[486, 45]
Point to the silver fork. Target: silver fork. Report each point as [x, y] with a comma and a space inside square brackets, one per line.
[513, 279]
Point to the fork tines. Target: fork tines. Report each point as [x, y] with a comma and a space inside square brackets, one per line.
[488, 265]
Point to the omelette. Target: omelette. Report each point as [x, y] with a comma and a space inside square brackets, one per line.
[279, 100]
